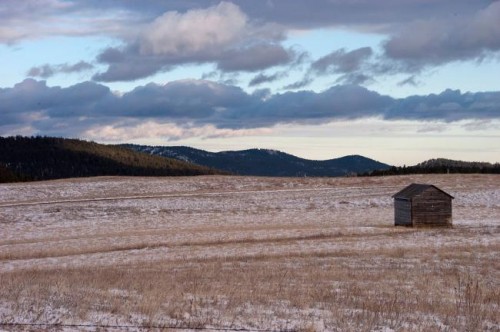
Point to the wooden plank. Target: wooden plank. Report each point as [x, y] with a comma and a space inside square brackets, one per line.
[432, 208]
[402, 212]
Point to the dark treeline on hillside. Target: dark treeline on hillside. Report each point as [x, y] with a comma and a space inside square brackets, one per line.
[6, 175]
[440, 166]
[44, 158]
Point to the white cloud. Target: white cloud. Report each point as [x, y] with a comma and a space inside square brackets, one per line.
[221, 34]
[121, 132]
[198, 30]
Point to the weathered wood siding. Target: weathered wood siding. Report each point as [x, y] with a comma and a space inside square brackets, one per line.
[431, 208]
[402, 212]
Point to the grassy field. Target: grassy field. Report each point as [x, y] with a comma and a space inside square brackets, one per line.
[215, 252]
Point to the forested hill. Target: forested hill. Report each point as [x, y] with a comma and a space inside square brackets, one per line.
[439, 166]
[43, 158]
[263, 162]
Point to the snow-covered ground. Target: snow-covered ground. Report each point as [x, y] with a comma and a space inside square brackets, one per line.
[246, 252]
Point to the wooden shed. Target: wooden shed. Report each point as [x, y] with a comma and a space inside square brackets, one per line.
[422, 205]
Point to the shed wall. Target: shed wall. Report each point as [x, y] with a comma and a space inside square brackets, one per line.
[402, 212]
[431, 208]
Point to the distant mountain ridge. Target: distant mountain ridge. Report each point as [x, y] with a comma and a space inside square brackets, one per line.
[264, 162]
[44, 158]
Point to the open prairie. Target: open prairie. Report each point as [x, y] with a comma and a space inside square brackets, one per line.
[221, 252]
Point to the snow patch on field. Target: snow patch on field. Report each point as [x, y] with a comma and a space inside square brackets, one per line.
[181, 223]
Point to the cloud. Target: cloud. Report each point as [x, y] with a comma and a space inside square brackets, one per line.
[255, 58]
[338, 102]
[76, 68]
[220, 34]
[263, 78]
[299, 84]
[448, 106]
[195, 31]
[36, 19]
[84, 108]
[435, 41]
[15, 15]
[411, 80]
[185, 100]
[46, 71]
[352, 66]
[480, 125]
[242, 35]
[300, 14]
[127, 131]
[354, 79]
[368, 14]
[341, 61]
[127, 65]
[432, 128]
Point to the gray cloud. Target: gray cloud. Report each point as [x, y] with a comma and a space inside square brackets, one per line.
[33, 19]
[299, 84]
[263, 78]
[159, 35]
[238, 43]
[185, 100]
[127, 65]
[46, 71]
[339, 102]
[352, 65]
[411, 80]
[354, 79]
[77, 67]
[449, 106]
[433, 42]
[301, 14]
[341, 61]
[255, 58]
[86, 106]
[220, 34]
[377, 15]
[477, 125]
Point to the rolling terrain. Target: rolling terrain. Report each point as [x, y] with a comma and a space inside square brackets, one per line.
[264, 162]
[440, 166]
[44, 158]
[225, 252]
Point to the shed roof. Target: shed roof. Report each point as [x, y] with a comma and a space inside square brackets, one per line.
[415, 189]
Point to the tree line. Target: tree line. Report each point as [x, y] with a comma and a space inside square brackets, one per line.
[450, 168]
[43, 158]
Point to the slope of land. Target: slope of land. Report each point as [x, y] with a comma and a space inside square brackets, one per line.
[222, 252]
[42, 158]
[441, 166]
[263, 162]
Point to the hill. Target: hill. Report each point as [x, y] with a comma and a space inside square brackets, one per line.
[263, 162]
[440, 166]
[455, 164]
[43, 158]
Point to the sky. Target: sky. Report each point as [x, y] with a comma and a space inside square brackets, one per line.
[399, 81]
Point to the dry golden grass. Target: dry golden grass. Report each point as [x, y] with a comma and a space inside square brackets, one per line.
[305, 258]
